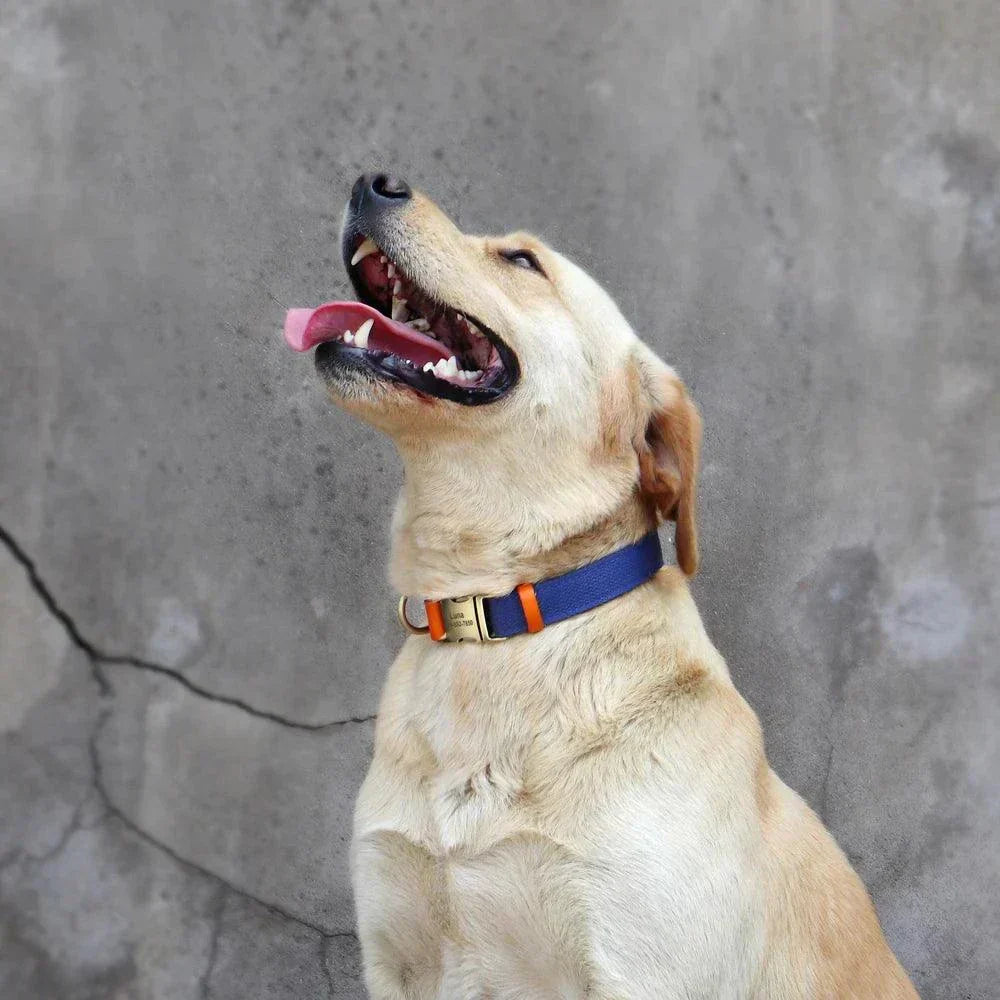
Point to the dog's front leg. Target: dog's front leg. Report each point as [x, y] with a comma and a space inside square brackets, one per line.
[400, 924]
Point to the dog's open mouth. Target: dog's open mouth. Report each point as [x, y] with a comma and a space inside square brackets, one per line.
[400, 333]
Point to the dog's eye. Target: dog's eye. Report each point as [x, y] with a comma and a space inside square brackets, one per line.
[523, 258]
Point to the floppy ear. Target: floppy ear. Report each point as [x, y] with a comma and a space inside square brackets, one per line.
[667, 443]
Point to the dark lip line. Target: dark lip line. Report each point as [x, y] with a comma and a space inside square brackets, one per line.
[511, 367]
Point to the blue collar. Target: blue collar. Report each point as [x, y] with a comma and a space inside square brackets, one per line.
[530, 607]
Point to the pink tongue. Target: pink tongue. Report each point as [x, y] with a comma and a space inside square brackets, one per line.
[305, 328]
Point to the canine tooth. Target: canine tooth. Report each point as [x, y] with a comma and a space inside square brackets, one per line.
[398, 308]
[391, 270]
[397, 288]
[366, 247]
[361, 337]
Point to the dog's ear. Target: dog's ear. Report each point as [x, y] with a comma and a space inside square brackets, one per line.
[667, 439]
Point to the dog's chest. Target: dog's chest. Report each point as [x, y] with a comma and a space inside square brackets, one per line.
[515, 838]
[476, 751]
[461, 838]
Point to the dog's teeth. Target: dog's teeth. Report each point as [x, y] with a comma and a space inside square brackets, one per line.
[348, 337]
[429, 367]
[391, 270]
[420, 323]
[398, 308]
[367, 247]
[397, 288]
[445, 368]
[361, 337]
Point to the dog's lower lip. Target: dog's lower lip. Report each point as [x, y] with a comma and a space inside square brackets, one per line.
[333, 359]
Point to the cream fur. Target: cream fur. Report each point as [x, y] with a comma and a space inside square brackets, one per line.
[585, 812]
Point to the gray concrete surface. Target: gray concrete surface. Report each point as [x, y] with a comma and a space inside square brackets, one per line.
[798, 204]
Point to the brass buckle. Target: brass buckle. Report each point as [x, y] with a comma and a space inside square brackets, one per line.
[465, 620]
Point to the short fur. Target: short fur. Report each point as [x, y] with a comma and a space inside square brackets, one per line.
[588, 811]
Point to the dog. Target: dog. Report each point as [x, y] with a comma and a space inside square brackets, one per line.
[583, 809]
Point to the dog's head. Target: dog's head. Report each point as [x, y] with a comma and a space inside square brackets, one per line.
[501, 357]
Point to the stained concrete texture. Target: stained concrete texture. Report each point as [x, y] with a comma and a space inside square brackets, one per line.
[797, 204]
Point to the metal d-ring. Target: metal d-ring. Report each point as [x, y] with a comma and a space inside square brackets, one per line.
[406, 623]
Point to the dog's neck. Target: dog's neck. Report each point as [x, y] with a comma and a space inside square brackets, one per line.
[456, 533]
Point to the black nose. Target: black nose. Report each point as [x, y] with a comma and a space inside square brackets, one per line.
[387, 186]
[381, 189]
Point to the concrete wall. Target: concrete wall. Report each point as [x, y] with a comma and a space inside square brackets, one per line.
[798, 203]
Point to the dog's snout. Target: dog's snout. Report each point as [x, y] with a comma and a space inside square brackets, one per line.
[381, 190]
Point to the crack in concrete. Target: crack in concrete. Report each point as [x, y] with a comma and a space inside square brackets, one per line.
[324, 965]
[75, 824]
[324, 957]
[55, 609]
[218, 911]
[132, 825]
[72, 827]
[98, 657]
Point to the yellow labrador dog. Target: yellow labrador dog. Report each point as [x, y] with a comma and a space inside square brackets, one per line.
[584, 809]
